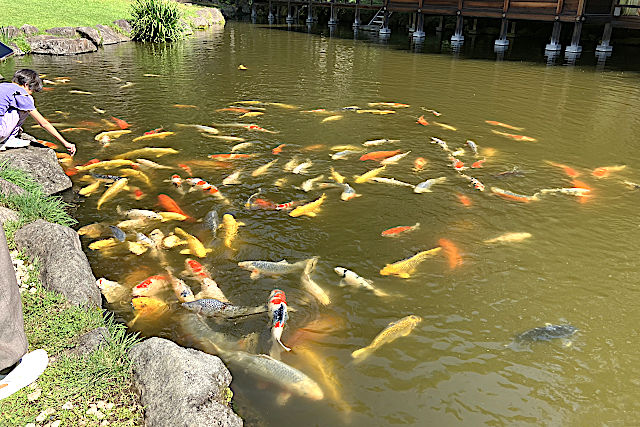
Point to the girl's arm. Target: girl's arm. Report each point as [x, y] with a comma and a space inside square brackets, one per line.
[71, 148]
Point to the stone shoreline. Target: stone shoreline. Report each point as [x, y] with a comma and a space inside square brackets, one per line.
[177, 386]
[77, 40]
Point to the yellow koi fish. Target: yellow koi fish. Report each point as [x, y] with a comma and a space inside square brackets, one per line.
[406, 267]
[195, 246]
[103, 244]
[147, 151]
[89, 189]
[331, 118]
[106, 164]
[397, 329]
[108, 136]
[148, 308]
[379, 112]
[111, 192]
[359, 179]
[309, 209]
[231, 228]
[93, 230]
[252, 114]
[336, 176]
[388, 104]
[262, 169]
[132, 173]
[281, 105]
[153, 135]
[444, 126]
[172, 216]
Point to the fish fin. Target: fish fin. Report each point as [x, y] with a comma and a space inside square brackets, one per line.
[240, 224]
[404, 275]
[361, 354]
[283, 346]
[186, 252]
[379, 293]
[254, 274]
[342, 284]
[283, 398]
[310, 266]
[311, 214]
[417, 225]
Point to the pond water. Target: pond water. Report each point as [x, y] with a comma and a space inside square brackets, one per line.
[459, 365]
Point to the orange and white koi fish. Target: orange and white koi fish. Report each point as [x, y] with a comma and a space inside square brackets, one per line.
[257, 128]
[176, 180]
[452, 253]
[156, 130]
[504, 125]
[513, 196]
[434, 112]
[521, 138]
[277, 306]
[229, 156]
[138, 194]
[289, 205]
[152, 285]
[571, 172]
[388, 104]
[195, 269]
[170, 205]
[317, 110]
[199, 183]
[278, 149]
[396, 231]
[474, 182]
[605, 171]
[186, 168]
[379, 155]
[120, 123]
[419, 164]
[464, 199]
[234, 110]
[422, 121]
[457, 164]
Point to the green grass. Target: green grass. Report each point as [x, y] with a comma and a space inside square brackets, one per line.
[34, 204]
[51, 323]
[46, 14]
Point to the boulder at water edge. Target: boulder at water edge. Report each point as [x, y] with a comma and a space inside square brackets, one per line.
[52, 45]
[181, 386]
[110, 36]
[7, 214]
[64, 268]
[41, 164]
[29, 30]
[8, 188]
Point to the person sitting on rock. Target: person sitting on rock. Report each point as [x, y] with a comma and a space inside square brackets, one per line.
[16, 103]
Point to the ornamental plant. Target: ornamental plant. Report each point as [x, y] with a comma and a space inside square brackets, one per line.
[156, 21]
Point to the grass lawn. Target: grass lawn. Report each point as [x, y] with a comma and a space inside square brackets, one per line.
[46, 14]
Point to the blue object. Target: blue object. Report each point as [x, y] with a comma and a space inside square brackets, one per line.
[5, 51]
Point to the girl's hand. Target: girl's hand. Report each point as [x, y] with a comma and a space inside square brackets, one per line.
[71, 148]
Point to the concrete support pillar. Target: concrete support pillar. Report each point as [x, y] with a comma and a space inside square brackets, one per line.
[356, 19]
[604, 45]
[554, 45]
[457, 35]
[385, 31]
[289, 19]
[419, 34]
[440, 26]
[333, 14]
[254, 13]
[512, 31]
[575, 47]
[271, 17]
[310, 17]
[502, 39]
[474, 27]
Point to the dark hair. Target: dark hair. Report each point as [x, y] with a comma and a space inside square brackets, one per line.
[28, 78]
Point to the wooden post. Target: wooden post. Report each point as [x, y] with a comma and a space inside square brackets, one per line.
[440, 26]
[310, 18]
[554, 44]
[502, 39]
[457, 36]
[333, 19]
[604, 45]
[419, 34]
[271, 18]
[474, 27]
[254, 12]
[356, 19]
[289, 19]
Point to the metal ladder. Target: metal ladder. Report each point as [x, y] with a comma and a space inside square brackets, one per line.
[378, 18]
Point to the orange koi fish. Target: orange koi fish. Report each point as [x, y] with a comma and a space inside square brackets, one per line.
[513, 196]
[63, 155]
[120, 123]
[571, 172]
[169, 205]
[379, 155]
[457, 164]
[395, 231]
[504, 125]
[71, 172]
[91, 162]
[234, 110]
[464, 199]
[419, 163]
[478, 164]
[48, 144]
[580, 184]
[520, 138]
[422, 121]
[229, 156]
[605, 171]
[278, 149]
[184, 106]
[138, 194]
[196, 269]
[152, 285]
[154, 131]
[47, 89]
[452, 253]
[186, 168]
[263, 204]
[289, 205]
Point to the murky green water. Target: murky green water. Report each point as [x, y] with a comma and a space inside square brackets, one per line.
[579, 267]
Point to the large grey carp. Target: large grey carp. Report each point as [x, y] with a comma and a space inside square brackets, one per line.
[275, 268]
[546, 333]
[215, 308]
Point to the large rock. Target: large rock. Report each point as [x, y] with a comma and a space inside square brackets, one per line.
[68, 32]
[64, 268]
[90, 341]
[110, 36]
[52, 45]
[8, 188]
[90, 34]
[10, 31]
[124, 25]
[29, 30]
[207, 17]
[41, 164]
[7, 214]
[180, 386]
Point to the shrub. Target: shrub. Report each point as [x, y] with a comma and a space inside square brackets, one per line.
[156, 21]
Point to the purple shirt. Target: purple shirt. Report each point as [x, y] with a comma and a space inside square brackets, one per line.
[15, 104]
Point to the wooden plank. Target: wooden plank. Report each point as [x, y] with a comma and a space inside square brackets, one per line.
[505, 6]
[473, 4]
[559, 7]
[533, 4]
[580, 10]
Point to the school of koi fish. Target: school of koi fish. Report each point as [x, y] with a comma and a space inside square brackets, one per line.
[133, 176]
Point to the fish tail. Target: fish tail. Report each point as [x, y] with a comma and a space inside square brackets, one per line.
[283, 346]
[310, 265]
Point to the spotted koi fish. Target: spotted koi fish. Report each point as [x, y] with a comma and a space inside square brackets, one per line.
[278, 314]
